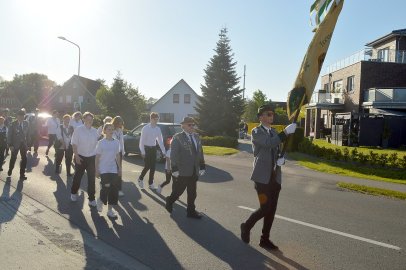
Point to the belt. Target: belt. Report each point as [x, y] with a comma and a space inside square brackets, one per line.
[147, 146]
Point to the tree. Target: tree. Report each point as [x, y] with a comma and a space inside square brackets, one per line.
[221, 105]
[121, 99]
[252, 105]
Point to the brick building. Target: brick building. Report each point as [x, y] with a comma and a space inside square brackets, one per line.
[371, 81]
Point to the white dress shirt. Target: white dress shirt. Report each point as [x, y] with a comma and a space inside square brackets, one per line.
[73, 123]
[85, 140]
[119, 136]
[53, 125]
[66, 136]
[149, 136]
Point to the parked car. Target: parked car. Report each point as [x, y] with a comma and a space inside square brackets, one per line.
[132, 138]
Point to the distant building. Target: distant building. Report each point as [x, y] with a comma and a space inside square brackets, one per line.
[371, 81]
[76, 94]
[8, 99]
[178, 102]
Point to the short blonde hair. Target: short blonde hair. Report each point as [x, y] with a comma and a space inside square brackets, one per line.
[66, 116]
[106, 126]
[153, 115]
[86, 114]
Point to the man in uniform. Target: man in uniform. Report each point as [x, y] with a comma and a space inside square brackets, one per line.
[266, 173]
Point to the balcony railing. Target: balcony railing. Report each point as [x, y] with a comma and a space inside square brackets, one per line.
[374, 55]
[327, 98]
[385, 95]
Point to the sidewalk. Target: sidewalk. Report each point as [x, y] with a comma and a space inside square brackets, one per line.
[34, 237]
[246, 149]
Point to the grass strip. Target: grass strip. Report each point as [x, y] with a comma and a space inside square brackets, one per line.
[346, 169]
[373, 190]
[219, 151]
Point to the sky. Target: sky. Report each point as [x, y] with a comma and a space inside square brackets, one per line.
[155, 43]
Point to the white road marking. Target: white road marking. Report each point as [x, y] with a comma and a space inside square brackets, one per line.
[330, 230]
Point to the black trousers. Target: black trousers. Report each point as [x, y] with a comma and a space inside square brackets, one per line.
[34, 141]
[149, 163]
[268, 195]
[2, 153]
[178, 187]
[51, 140]
[168, 176]
[68, 153]
[23, 163]
[88, 164]
[120, 179]
[109, 188]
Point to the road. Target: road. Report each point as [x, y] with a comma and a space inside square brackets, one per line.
[318, 226]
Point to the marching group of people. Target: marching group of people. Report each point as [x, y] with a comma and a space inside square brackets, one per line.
[100, 152]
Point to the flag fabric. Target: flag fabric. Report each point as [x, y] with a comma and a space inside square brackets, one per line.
[314, 58]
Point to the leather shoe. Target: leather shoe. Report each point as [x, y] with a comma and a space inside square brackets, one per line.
[194, 214]
[168, 206]
[9, 172]
[245, 234]
[267, 244]
[23, 177]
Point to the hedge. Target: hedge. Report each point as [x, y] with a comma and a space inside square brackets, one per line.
[223, 141]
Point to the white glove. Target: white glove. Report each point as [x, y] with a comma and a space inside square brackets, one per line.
[202, 172]
[280, 161]
[290, 129]
[175, 174]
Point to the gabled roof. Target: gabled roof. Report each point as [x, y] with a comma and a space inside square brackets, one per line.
[394, 33]
[167, 93]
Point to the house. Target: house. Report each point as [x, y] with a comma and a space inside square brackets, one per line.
[369, 83]
[8, 99]
[178, 102]
[76, 94]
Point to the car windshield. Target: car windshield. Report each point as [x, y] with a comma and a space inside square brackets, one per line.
[174, 129]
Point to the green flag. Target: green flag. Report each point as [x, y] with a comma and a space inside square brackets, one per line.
[314, 58]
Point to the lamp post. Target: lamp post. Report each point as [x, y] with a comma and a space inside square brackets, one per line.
[63, 38]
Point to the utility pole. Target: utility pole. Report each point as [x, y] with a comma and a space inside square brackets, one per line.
[243, 87]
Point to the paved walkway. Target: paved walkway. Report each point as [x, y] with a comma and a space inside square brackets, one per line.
[246, 150]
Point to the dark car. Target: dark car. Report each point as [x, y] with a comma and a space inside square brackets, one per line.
[132, 138]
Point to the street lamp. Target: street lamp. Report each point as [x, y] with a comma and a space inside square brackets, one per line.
[63, 38]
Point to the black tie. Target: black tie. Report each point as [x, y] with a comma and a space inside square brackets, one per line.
[193, 144]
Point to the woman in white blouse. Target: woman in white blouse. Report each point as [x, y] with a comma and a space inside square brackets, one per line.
[118, 134]
[76, 120]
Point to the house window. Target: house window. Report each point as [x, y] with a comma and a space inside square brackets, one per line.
[61, 99]
[186, 98]
[166, 117]
[383, 54]
[350, 84]
[326, 87]
[338, 86]
[68, 99]
[175, 98]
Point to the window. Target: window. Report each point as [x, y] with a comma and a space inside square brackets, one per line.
[338, 86]
[166, 117]
[68, 99]
[186, 98]
[383, 55]
[61, 99]
[175, 98]
[350, 84]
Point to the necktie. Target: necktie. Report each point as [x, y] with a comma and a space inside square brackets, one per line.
[193, 144]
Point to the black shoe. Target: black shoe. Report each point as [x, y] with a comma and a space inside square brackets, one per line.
[9, 172]
[69, 175]
[23, 177]
[1, 169]
[168, 206]
[47, 152]
[245, 234]
[194, 214]
[267, 244]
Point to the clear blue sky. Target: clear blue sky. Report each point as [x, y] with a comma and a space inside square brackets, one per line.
[155, 43]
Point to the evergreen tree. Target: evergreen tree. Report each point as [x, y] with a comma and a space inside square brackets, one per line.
[221, 104]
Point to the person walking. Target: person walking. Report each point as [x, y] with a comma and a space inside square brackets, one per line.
[150, 134]
[52, 124]
[108, 169]
[64, 137]
[7, 122]
[3, 141]
[76, 120]
[34, 135]
[187, 162]
[168, 170]
[118, 134]
[84, 141]
[266, 174]
[17, 140]
[106, 120]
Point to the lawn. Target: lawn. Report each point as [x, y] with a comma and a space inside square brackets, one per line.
[219, 151]
[373, 190]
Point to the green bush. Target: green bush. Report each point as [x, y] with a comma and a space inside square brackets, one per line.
[393, 159]
[223, 141]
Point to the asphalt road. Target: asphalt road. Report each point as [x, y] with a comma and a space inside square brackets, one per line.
[318, 226]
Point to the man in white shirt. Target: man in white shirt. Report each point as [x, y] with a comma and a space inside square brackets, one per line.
[53, 124]
[150, 134]
[84, 141]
